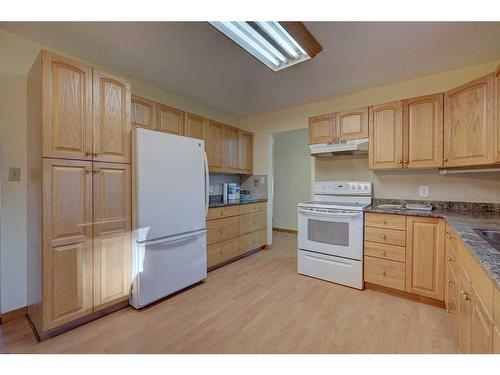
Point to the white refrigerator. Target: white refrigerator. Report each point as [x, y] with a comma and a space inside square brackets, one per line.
[170, 202]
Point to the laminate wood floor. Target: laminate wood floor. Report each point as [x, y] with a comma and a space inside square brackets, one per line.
[256, 305]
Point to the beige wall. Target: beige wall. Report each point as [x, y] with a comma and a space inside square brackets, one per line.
[296, 117]
[465, 187]
[16, 57]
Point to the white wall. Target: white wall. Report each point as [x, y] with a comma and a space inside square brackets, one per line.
[292, 176]
[16, 58]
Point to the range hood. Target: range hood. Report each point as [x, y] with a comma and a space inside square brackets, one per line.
[350, 147]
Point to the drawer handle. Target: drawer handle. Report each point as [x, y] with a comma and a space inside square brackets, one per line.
[220, 252]
[449, 281]
[221, 231]
[384, 236]
[465, 296]
[384, 273]
[384, 253]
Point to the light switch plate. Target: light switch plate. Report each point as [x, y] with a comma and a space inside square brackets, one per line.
[423, 191]
[14, 174]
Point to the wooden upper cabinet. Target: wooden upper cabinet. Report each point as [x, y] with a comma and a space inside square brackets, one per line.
[67, 241]
[112, 233]
[194, 126]
[245, 158]
[385, 136]
[352, 124]
[214, 146]
[423, 131]
[143, 113]
[112, 129]
[66, 108]
[231, 141]
[468, 123]
[425, 256]
[170, 120]
[497, 115]
[321, 128]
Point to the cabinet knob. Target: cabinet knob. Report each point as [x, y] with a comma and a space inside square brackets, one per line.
[405, 162]
[384, 273]
[465, 295]
[384, 253]
[97, 170]
[448, 259]
[88, 170]
[445, 160]
[383, 236]
[96, 154]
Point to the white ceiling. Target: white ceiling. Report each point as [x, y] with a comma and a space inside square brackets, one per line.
[195, 60]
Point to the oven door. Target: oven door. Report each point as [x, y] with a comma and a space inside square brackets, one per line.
[334, 232]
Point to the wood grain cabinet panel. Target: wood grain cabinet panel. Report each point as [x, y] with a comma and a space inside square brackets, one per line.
[423, 131]
[468, 123]
[352, 124]
[112, 233]
[322, 128]
[143, 113]
[384, 272]
[496, 340]
[214, 146]
[384, 251]
[385, 136]
[451, 298]
[169, 120]
[67, 241]
[252, 241]
[245, 149]
[253, 222]
[112, 129]
[232, 146]
[194, 126]
[386, 221]
[254, 207]
[464, 314]
[497, 114]
[222, 229]
[220, 212]
[222, 251]
[425, 256]
[481, 327]
[385, 236]
[66, 108]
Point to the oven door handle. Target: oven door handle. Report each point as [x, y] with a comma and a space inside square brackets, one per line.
[329, 214]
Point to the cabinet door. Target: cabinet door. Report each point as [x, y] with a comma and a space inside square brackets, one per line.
[194, 126]
[425, 256]
[481, 327]
[423, 131]
[231, 141]
[67, 108]
[170, 120]
[214, 146]
[352, 124]
[496, 340]
[321, 128]
[464, 315]
[112, 226]
[451, 299]
[497, 114]
[112, 135]
[246, 152]
[67, 241]
[386, 136]
[143, 113]
[468, 123]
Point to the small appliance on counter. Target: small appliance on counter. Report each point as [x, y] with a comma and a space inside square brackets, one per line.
[230, 191]
[245, 195]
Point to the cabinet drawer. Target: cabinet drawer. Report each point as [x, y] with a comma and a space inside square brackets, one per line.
[255, 207]
[219, 212]
[253, 240]
[384, 251]
[252, 222]
[385, 272]
[222, 251]
[222, 229]
[387, 221]
[385, 236]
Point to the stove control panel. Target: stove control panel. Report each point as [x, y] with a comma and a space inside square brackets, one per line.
[343, 187]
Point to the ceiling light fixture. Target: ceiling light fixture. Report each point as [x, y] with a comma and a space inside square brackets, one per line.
[276, 44]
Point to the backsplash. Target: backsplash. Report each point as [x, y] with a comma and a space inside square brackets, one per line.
[464, 187]
[216, 180]
[257, 184]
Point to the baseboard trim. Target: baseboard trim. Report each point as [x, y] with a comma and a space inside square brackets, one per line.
[284, 230]
[406, 295]
[76, 323]
[13, 314]
[229, 261]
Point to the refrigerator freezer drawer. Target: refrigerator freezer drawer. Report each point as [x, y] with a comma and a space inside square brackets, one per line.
[165, 268]
[331, 268]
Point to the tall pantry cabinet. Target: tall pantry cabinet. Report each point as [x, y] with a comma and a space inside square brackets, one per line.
[79, 199]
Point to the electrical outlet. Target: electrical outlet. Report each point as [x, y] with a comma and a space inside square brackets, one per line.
[256, 182]
[14, 174]
[423, 191]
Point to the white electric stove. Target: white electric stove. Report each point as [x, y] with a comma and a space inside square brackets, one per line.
[330, 232]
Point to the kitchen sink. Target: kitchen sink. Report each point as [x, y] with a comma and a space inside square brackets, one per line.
[491, 236]
[390, 206]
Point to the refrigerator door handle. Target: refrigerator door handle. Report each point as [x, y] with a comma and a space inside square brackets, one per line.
[173, 238]
[206, 185]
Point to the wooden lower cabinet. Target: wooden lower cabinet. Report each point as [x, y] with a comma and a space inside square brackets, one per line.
[235, 230]
[481, 327]
[383, 272]
[425, 256]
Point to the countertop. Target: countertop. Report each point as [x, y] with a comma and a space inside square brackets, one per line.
[220, 203]
[464, 223]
